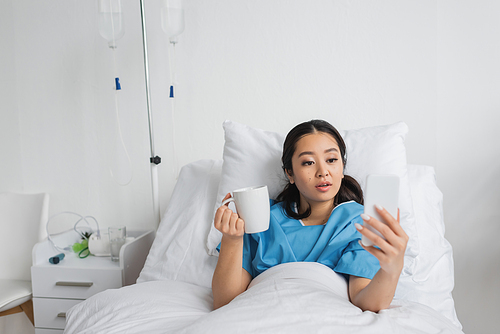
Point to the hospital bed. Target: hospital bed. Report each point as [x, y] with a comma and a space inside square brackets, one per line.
[173, 293]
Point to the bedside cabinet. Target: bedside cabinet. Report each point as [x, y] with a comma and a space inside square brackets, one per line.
[58, 287]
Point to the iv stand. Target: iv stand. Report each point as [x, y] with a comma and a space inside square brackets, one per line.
[154, 160]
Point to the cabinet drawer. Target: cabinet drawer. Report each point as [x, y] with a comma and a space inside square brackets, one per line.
[48, 331]
[51, 313]
[77, 283]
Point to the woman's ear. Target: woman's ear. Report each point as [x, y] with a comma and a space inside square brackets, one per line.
[290, 176]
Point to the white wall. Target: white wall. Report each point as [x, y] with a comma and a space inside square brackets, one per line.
[61, 115]
[9, 124]
[269, 64]
[468, 164]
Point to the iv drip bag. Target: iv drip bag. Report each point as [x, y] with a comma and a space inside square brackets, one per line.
[172, 19]
[110, 21]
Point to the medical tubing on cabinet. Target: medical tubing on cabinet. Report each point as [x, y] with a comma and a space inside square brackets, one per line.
[82, 218]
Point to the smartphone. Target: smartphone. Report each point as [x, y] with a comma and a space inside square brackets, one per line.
[383, 190]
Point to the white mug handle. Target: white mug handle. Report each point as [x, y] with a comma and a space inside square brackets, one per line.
[230, 199]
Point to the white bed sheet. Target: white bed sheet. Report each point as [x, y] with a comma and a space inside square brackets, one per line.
[305, 297]
[178, 267]
[290, 298]
[151, 307]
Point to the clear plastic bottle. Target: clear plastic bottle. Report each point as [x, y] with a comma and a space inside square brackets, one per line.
[172, 19]
[111, 21]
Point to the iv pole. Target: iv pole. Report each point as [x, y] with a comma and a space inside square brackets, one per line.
[154, 160]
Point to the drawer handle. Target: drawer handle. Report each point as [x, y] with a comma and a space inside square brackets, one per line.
[81, 284]
[61, 315]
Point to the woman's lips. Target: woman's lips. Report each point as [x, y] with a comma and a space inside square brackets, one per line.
[324, 186]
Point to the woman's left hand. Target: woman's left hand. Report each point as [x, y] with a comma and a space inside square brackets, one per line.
[390, 252]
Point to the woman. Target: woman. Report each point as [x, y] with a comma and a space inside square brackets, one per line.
[316, 218]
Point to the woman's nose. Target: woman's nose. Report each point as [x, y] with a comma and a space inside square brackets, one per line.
[322, 171]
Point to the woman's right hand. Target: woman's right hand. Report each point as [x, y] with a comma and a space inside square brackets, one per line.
[230, 278]
[228, 222]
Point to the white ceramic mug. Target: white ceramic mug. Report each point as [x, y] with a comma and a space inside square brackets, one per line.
[252, 205]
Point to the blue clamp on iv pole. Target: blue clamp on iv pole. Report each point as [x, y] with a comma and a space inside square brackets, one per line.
[172, 91]
[117, 84]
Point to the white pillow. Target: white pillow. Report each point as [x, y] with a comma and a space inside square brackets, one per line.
[433, 279]
[178, 251]
[253, 157]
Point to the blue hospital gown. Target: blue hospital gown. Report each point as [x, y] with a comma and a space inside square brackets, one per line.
[334, 244]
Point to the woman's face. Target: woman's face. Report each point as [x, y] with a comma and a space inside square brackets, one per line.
[317, 169]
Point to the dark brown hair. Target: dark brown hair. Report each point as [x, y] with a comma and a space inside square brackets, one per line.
[350, 189]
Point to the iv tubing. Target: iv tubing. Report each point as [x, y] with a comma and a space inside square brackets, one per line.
[172, 100]
[120, 135]
[68, 248]
[154, 170]
[117, 113]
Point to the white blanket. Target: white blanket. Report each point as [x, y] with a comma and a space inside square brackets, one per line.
[289, 298]
[149, 307]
